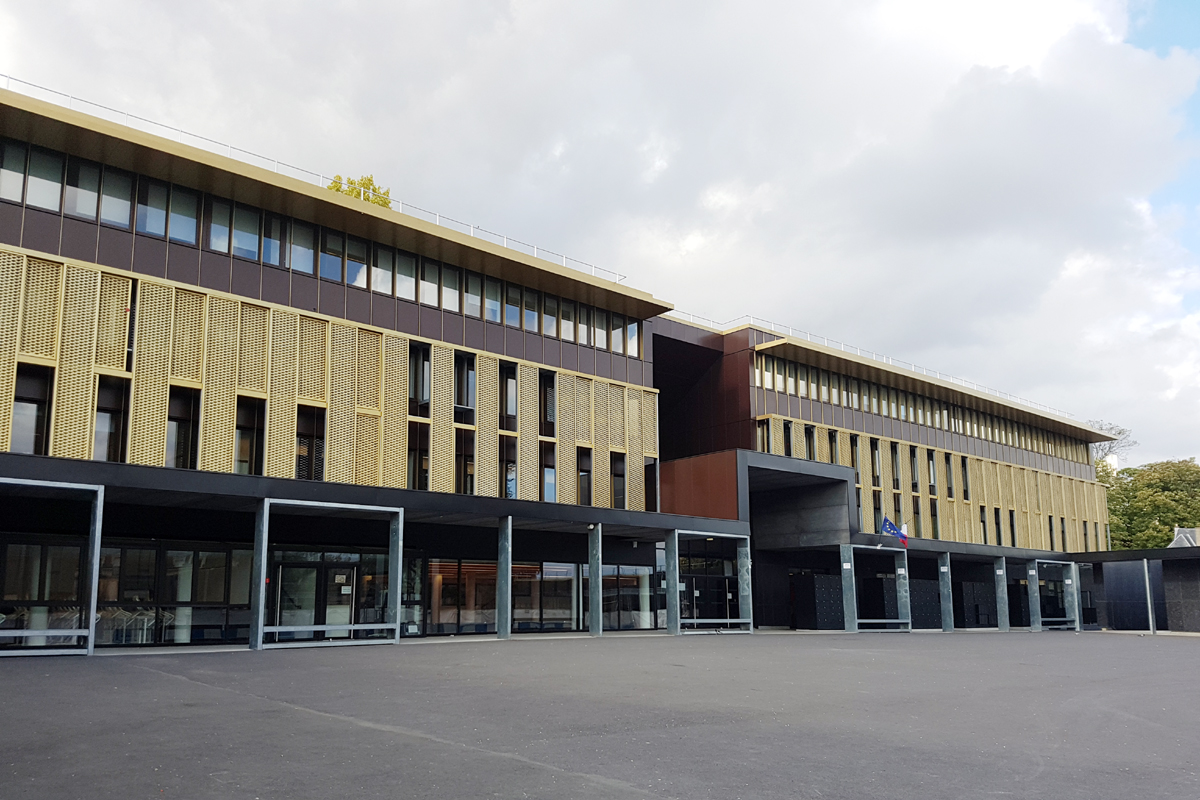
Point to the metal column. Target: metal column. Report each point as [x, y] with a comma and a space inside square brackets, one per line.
[1002, 620]
[672, 566]
[745, 594]
[1149, 595]
[93, 566]
[849, 597]
[595, 582]
[945, 592]
[1071, 594]
[395, 571]
[1035, 597]
[903, 596]
[504, 581]
[1077, 594]
[258, 575]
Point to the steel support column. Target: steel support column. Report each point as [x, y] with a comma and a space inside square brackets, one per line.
[395, 571]
[1035, 596]
[504, 581]
[258, 575]
[1001, 569]
[903, 596]
[672, 557]
[1076, 595]
[1149, 595]
[945, 592]
[745, 593]
[849, 596]
[595, 582]
[93, 566]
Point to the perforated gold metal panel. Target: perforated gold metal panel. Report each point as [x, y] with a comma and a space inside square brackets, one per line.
[369, 345]
[1057, 506]
[487, 426]
[441, 413]
[616, 418]
[339, 420]
[584, 418]
[843, 448]
[151, 368]
[252, 348]
[395, 412]
[366, 450]
[885, 472]
[187, 349]
[990, 470]
[39, 309]
[280, 461]
[112, 334]
[12, 271]
[601, 464]
[527, 432]
[565, 394]
[635, 470]
[1005, 473]
[313, 336]
[218, 401]
[74, 407]
[776, 438]
[650, 424]
[822, 436]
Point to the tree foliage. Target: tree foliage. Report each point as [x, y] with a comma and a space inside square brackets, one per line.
[1120, 447]
[363, 188]
[1147, 503]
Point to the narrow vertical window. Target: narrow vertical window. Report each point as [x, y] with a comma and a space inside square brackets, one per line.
[273, 236]
[82, 196]
[246, 230]
[914, 469]
[383, 270]
[983, 524]
[791, 378]
[633, 344]
[618, 333]
[1050, 520]
[464, 388]
[12, 172]
[418, 380]
[248, 442]
[464, 461]
[999, 530]
[801, 380]
[302, 252]
[512, 305]
[600, 329]
[651, 483]
[44, 189]
[31, 410]
[824, 386]
[418, 455]
[356, 262]
[877, 503]
[949, 478]
[583, 476]
[310, 443]
[548, 489]
[219, 222]
[916, 506]
[834, 395]
[333, 252]
[759, 360]
[583, 326]
[473, 296]
[934, 529]
[762, 436]
[492, 299]
[1062, 521]
[931, 465]
[406, 276]
[618, 480]
[112, 415]
[508, 397]
[550, 316]
[810, 442]
[787, 439]
[833, 447]
[183, 427]
[876, 464]
[533, 303]
[567, 310]
[854, 458]
[116, 198]
[966, 480]
[451, 298]
[508, 466]
[1012, 528]
[546, 403]
[151, 207]
[895, 466]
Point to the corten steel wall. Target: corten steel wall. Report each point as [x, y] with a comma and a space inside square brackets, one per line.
[702, 486]
[75, 317]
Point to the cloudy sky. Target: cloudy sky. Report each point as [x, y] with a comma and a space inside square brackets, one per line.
[1008, 192]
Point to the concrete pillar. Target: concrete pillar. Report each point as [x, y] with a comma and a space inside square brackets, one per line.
[395, 571]
[1035, 597]
[595, 582]
[1149, 595]
[673, 625]
[504, 581]
[745, 595]
[92, 585]
[258, 574]
[903, 602]
[849, 596]
[1077, 595]
[1001, 569]
[945, 592]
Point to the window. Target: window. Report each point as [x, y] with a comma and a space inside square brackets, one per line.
[949, 478]
[219, 223]
[877, 502]
[787, 438]
[492, 289]
[464, 388]
[895, 466]
[184, 219]
[876, 464]
[418, 455]
[766, 365]
[310, 443]
[418, 380]
[508, 397]
[833, 447]
[532, 309]
[583, 326]
[44, 189]
[12, 172]
[151, 207]
[567, 310]
[966, 480]
[934, 530]
[810, 442]
[508, 466]
[272, 239]
[854, 458]
[333, 249]
[931, 465]
[303, 248]
[31, 410]
[550, 316]
[83, 190]
[464, 461]
[618, 334]
[116, 198]
[634, 342]
[834, 396]
[512, 306]
[916, 505]
[183, 427]
[548, 491]
[112, 414]
[758, 370]
[914, 469]
[617, 461]
[824, 386]
[762, 436]
[600, 329]
[1062, 522]
[583, 473]
[546, 404]
[450, 289]
[1012, 528]
[406, 276]
[999, 530]
[896, 509]
[791, 378]
[473, 296]
[383, 270]
[651, 483]
[983, 524]
[1051, 521]
[245, 233]
[356, 262]
[248, 442]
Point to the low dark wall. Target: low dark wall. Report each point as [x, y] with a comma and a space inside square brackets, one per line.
[1181, 590]
[790, 518]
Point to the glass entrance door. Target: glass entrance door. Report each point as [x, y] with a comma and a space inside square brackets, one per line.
[296, 601]
[340, 584]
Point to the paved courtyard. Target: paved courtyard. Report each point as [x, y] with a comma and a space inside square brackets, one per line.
[1050, 715]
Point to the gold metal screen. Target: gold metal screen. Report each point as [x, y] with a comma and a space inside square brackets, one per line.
[280, 461]
[218, 411]
[395, 412]
[366, 450]
[12, 271]
[74, 385]
[112, 335]
[527, 430]
[39, 309]
[441, 412]
[187, 346]
[313, 336]
[565, 395]
[252, 348]
[152, 364]
[339, 421]
[369, 344]
[487, 425]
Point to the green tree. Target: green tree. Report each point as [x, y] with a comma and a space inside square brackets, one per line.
[1147, 503]
[363, 188]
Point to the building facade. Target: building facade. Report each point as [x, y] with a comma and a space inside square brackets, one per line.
[240, 408]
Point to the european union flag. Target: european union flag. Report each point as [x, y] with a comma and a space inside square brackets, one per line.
[890, 529]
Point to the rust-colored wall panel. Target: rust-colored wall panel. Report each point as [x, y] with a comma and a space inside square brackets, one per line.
[701, 486]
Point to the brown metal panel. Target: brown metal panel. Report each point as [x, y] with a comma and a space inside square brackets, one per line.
[216, 271]
[79, 239]
[332, 300]
[247, 278]
[358, 305]
[150, 256]
[304, 292]
[703, 486]
[115, 248]
[42, 231]
[183, 263]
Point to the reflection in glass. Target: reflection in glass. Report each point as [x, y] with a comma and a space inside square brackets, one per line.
[356, 263]
[185, 212]
[297, 600]
[303, 248]
[116, 198]
[478, 597]
[220, 216]
[526, 597]
[406, 276]
[383, 271]
[560, 601]
[429, 282]
[272, 240]
[45, 180]
[12, 171]
[331, 255]
[83, 189]
[443, 596]
[245, 233]
[472, 298]
[491, 301]
[152, 208]
[450, 288]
